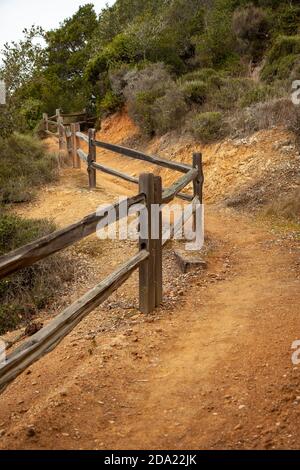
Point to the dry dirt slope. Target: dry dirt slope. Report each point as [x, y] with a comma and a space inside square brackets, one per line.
[210, 370]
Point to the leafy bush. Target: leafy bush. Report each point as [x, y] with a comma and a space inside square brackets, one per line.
[24, 293]
[169, 111]
[122, 49]
[6, 122]
[195, 91]
[229, 94]
[143, 88]
[251, 26]
[216, 45]
[207, 126]
[206, 75]
[30, 113]
[256, 94]
[281, 58]
[286, 20]
[141, 109]
[275, 112]
[24, 165]
[110, 103]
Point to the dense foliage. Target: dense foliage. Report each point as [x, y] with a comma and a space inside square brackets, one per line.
[206, 49]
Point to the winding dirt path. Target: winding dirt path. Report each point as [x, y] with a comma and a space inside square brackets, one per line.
[214, 371]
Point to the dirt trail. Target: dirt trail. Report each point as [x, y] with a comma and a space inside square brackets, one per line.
[213, 371]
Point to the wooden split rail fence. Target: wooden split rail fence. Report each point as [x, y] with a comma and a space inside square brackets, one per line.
[148, 258]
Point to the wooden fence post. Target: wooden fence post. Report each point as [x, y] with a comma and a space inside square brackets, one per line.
[147, 268]
[45, 122]
[198, 182]
[91, 159]
[69, 144]
[75, 145]
[157, 233]
[61, 137]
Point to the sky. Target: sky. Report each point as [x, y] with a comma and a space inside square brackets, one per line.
[15, 15]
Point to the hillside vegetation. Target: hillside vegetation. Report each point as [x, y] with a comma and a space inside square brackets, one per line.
[212, 67]
[25, 166]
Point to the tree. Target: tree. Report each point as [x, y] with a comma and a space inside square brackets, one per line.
[68, 51]
[23, 59]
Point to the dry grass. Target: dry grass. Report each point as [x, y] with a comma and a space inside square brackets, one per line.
[287, 207]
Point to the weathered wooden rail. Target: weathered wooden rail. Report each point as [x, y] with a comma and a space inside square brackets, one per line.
[148, 259]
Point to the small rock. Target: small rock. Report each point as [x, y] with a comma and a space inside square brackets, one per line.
[31, 432]
[2, 432]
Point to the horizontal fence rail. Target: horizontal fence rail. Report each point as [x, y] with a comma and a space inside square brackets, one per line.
[56, 241]
[82, 155]
[174, 190]
[184, 168]
[82, 136]
[111, 171]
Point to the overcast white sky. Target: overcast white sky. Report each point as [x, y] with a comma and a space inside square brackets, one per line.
[15, 15]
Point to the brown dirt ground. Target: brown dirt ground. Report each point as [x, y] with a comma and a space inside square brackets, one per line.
[210, 369]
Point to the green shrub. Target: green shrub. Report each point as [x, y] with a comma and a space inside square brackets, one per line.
[122, 49]
[195, 91]
[207, 126]
[24, 165]
[265, 115]
[6, 122]
[143, 88]
[110, 103]
[204, 74]
[230, 93]
[24, 293]
[216, 44]
[281, 58]
[251, 26]
[142, 110]
[168, 111]
[286, 20]
[258, 93]
[30, 113]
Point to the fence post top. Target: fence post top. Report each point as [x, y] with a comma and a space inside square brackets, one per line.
[197, 154]
[144, 176]
[92, 132]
